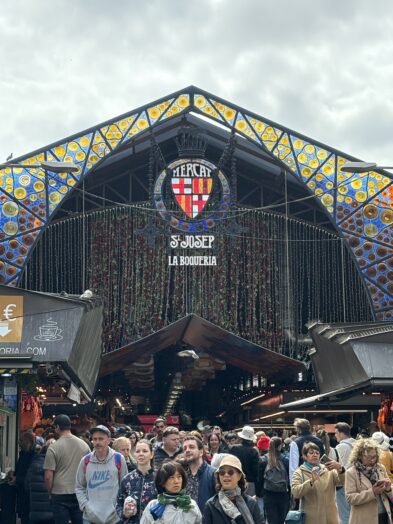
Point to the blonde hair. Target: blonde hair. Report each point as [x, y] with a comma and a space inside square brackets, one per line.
[119, 441]
[363, 447]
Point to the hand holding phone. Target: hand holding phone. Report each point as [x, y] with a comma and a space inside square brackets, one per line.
[324, 459]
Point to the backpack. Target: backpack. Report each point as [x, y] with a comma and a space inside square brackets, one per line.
[276, 479]
[86, 460]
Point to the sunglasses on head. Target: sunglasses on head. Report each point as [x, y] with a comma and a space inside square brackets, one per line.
[229, 472]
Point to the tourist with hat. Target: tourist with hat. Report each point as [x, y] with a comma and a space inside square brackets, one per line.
[98, 479]
[385, 455]
[60, 466]
[231, 503]
[248, 456]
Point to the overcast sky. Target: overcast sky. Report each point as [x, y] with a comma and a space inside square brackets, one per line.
[321, 67]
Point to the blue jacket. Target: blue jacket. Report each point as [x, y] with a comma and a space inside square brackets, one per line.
[206, 484]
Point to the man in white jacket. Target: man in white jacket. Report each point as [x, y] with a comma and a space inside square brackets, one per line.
[98, 480]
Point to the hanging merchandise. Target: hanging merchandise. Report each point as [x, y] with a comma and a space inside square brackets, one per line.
[31, 411]
[274, 276]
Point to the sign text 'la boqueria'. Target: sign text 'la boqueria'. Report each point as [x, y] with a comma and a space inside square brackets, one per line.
[192, 242]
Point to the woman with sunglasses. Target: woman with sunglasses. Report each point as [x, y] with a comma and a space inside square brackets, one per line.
[315, 485]
[231, 504]
[367, 486]
[172, 506]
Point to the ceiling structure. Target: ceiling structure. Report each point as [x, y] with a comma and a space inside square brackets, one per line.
[359, 206]
[191, 351]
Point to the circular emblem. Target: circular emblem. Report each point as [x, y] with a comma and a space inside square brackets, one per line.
[193, 195]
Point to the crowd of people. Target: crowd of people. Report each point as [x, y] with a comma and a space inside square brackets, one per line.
[121, 475]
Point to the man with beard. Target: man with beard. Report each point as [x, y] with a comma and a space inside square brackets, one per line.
[201, 483]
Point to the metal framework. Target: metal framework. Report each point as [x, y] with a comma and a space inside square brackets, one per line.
[359, 205]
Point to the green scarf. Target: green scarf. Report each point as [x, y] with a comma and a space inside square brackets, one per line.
[181, 500]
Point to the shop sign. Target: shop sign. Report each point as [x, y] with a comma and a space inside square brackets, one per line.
[193, 196]
[27, 327]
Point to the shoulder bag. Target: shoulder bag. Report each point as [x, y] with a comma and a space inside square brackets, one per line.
[296, 516]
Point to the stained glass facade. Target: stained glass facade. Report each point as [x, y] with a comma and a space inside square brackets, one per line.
[360, 205]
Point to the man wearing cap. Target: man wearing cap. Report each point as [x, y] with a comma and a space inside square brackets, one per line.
[98, 479]
[248, 456]
[61, 463]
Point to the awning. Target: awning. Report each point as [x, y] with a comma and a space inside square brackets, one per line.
[348, 358]
[37, 328]
[209, 338]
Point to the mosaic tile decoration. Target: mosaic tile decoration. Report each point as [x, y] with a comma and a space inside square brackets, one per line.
[360, 205]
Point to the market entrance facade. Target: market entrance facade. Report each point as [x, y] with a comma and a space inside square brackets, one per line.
[191, 210]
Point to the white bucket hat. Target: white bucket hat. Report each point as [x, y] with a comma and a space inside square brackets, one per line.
[381, 439]
[247, 433]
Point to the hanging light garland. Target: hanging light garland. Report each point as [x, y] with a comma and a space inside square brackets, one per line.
[245, 293]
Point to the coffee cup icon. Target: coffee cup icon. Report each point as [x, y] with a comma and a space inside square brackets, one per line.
[49, 331]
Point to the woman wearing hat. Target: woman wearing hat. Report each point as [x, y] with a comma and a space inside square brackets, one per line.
[248, 456]
[231, 504]
[385, 455]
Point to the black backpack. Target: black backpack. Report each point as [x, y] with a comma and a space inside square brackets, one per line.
[276, 479]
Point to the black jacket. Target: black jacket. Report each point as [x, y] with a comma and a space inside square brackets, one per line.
[308, 437]
[21, 468]
[214, 514]
[249, 458]
[40, 505]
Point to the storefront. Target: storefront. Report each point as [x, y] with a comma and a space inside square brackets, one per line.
[49, 343]
[191, 206]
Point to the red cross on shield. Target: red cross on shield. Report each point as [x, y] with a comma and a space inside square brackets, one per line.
[192, 193]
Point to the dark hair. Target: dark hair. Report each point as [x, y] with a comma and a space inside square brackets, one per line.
[167, 470]
[62, 422]
[136, 436]
[214, 435]
[194, 439]
[170, 430]
[242, 482]
[273, 453]
[26, 440]
[230, 436]
[343, 427]
[309, 445]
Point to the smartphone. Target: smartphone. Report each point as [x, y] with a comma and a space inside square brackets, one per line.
[324, 459]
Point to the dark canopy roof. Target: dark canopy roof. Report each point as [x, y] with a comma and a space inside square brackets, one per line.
[209, 338]
[350, 357]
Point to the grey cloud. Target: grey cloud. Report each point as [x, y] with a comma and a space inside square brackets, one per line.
[320, 68]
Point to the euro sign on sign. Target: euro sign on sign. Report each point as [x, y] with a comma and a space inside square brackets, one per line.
[192, 185]
[11, 318]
